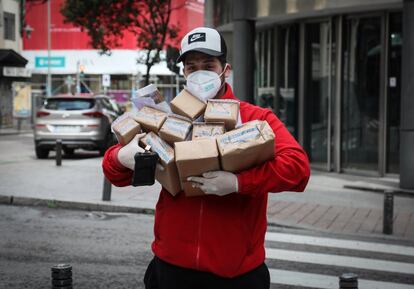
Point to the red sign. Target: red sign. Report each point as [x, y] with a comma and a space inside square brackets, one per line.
[188, 15]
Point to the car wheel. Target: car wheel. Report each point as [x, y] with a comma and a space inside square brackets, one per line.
[69, 151]
[42, 153]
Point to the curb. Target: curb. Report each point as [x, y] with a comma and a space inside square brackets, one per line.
[56, 204]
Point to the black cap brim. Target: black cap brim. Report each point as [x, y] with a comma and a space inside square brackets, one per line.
[202, 50]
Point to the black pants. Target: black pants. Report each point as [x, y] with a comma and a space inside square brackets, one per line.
[162, 275]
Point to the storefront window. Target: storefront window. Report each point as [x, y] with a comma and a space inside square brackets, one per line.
[318, 55]
[361, 94]
[288, 73]
[394, 92]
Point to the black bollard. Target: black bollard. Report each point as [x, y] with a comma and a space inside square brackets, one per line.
[62, 276]
[348, 281]
[58, 152]
[388, 214]
[107, 187]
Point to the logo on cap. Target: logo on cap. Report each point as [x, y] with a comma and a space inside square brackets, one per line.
[196, 37]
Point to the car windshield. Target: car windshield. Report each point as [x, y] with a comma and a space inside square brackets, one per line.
[69, 104]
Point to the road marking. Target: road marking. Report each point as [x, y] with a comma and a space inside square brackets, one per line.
[325, 281]
[342, 261]
[339, 243]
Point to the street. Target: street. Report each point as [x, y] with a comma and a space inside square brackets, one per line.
[112, 250]
[106, 250]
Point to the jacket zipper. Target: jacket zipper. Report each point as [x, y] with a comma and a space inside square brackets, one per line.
[199, 235]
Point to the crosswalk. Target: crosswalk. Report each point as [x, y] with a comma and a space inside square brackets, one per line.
[303, 261]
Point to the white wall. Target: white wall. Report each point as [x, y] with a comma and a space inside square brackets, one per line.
[11, 6]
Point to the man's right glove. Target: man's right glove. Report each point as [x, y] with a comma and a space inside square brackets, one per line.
[127, 152]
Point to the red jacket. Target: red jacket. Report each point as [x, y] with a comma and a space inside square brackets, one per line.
[223, 235]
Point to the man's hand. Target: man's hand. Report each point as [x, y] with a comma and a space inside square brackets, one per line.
[219, 183]
[127, 152]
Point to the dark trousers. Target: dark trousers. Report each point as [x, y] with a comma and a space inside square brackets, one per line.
[162, 275]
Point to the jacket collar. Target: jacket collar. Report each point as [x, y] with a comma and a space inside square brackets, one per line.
[228, 94]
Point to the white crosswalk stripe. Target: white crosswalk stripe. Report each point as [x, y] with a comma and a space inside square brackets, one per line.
[280, 248]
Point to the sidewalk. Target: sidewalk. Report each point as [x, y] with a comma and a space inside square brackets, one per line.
[325, 205]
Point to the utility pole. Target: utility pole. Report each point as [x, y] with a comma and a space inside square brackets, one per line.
[49, 77]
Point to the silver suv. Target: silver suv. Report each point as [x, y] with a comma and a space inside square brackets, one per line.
[79, 121]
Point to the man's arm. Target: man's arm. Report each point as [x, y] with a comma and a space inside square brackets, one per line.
[114, 171]
[288, 171]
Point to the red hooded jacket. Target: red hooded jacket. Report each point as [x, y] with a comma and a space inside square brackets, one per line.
[223, 235]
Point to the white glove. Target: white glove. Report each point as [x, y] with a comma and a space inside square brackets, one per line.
[127, 152]
[219, 183]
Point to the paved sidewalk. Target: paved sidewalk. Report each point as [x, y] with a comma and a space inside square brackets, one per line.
[325, 205]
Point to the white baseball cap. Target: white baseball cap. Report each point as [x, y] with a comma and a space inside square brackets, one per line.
[205, 40]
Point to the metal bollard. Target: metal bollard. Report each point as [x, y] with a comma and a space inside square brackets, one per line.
[388, 214]
[348, 281]
[58, 152]
[107, 187]
[62, 276]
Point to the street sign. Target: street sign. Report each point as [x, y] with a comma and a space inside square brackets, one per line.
[106, 80]
[11, 71]
[56, 61]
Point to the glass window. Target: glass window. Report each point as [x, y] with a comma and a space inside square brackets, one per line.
[69, 104]
[318, 50]
[361, 84]
[394, 92]
[288, 73]
[9, 26]
[265, 66]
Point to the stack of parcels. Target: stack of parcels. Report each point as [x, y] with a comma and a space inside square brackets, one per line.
[207, 130]
[222, 110]
[211, 147]
[187, 105]
[150, 118]
[247, 146]
[193, 158]
[125, 128]
[168, 177]
[175, 128]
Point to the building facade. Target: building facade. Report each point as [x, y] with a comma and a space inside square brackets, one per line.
[75, 65]
[332, 72]
[13, 74]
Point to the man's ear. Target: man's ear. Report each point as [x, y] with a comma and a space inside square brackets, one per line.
[227, 70]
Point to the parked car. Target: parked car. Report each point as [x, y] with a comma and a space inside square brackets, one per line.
[79, 121]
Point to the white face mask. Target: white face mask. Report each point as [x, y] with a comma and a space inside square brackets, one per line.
[204, 84]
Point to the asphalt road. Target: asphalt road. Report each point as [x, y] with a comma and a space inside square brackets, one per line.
[106, 250]
[112, 250]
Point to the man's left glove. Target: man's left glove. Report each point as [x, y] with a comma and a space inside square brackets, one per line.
[216, 183]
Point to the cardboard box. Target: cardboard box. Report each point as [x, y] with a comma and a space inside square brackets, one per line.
[222, 110]
[168, 178]
[187, 105]
[125, 129]
[207, 130]
[193, 158]
[150, 119]
[175, 128]
[247, 146]
[150, 95]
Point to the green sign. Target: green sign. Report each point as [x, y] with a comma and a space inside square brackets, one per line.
[56, 61]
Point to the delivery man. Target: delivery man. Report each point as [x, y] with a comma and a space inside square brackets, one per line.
[217, 240]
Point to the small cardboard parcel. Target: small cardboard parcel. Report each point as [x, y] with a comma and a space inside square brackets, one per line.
[193, 158]
[168, 177]
[187, 105]
[125, 128]
[175, 128]
[247, 146]
[207, 130]
[222, 110]
[150, 118]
